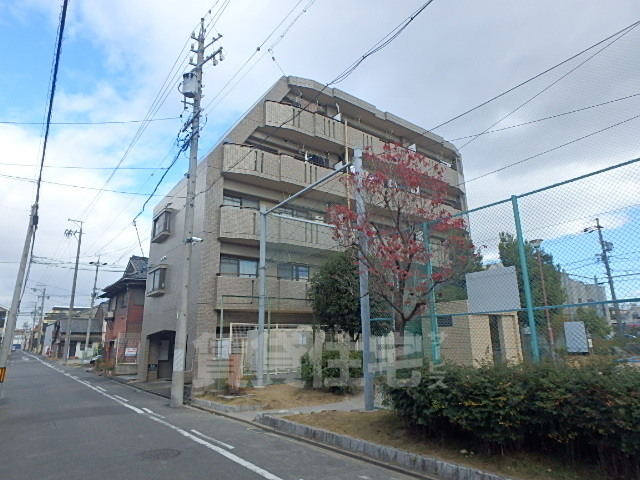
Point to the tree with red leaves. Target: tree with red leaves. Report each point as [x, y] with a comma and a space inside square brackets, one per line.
[405, 196]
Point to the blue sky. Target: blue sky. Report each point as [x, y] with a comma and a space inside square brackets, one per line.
[117, 54]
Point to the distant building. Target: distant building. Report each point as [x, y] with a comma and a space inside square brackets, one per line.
[122, 313]
[296, 134]
[582, 292]
[80, 317]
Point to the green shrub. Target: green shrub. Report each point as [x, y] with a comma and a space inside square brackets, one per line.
[590, 410]
[331, 372]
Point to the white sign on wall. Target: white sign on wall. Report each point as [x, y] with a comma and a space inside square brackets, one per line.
[493, 290]
[575, 334]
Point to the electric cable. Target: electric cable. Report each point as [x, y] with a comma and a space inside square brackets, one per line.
[54, 81]
[562, 77]
[386, 40]
[110, 122]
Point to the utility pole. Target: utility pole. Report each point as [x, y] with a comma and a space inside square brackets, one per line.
[41, 321]
[606, 248]
[72, 233]
[191, 89]
[365, 308]
[34, 320]
[93, 299]
[10, 325]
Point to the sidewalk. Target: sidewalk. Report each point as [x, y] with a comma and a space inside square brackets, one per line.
[161, 388]
[420, 466]
[272, 420]
[353, 403]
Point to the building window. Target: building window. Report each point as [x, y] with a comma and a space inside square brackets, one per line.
[124, 301]
[445, 321]
[238, 201]
[289, 271]
[238, 267]
[137, 297]
[157, 281]
[294, 212]
[162, 226]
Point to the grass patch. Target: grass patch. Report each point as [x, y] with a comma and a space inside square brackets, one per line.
[385, 428]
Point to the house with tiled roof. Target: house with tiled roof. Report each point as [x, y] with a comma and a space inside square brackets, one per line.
[78, 334]
[123, 310]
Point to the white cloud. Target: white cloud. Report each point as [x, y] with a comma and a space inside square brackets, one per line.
[117, 54]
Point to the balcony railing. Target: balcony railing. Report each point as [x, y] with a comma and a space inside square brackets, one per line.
[278, 169]
[238, 293]
[243, 223]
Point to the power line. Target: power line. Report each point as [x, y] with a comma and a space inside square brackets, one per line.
[548, 151]
[155, 189]
[383, 42]
[258, 49]
[221, 90]
[633, 25]
[386, 40]
[155, 106]
[31, 180]
[545, 118]
[113, 122]
[47, 126]
[80, 168]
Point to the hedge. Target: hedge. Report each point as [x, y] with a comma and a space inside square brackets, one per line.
[330, 372]
[589, 411]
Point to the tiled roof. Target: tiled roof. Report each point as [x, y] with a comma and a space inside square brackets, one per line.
[136, 270]
[80, 326]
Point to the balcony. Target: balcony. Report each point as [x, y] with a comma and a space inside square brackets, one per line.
[237, 293]
[273, 170]
[243, 224]
[239, 223]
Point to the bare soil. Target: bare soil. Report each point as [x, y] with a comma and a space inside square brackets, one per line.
[278, 397]
[385, 428]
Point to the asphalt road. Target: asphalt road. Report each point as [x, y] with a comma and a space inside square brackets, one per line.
[67, 423]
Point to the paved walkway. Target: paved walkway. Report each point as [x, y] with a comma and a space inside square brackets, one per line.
[349, 404]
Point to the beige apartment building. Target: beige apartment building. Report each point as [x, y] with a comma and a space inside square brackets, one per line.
[294, 135]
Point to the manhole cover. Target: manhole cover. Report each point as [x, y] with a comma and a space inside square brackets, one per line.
[159, 454]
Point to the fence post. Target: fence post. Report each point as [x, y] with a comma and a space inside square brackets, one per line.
[365, 311]
[219, 340]
[535, 349]
[433, 319]
[268, 372]
[262, 291]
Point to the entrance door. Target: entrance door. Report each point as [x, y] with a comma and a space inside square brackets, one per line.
[165, 359]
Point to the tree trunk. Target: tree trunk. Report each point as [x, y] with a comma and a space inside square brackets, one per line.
[398, 336]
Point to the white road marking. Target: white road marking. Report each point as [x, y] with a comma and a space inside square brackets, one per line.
[100, 388]
[234, 458]
[212, 439]
[120, 398]
[152, 412]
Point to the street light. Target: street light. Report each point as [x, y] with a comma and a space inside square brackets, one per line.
[536, 245]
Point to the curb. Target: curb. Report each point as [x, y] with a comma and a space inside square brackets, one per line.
[445, 470]
[222, 407]
[115, 378]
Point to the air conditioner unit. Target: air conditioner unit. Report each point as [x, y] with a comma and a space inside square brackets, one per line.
[319, 218]
[110, 314]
